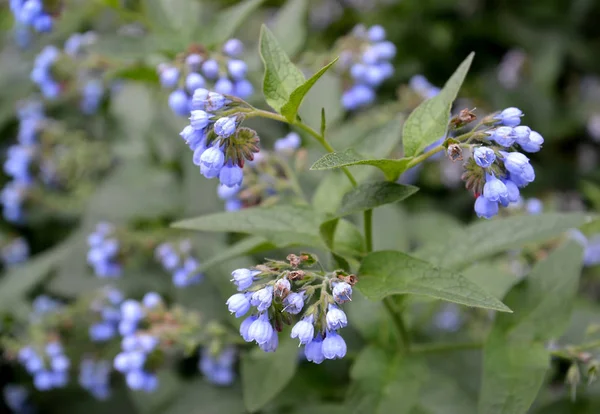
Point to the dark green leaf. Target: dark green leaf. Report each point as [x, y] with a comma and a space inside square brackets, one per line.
[282, 77]
[228, 20]
[388, 273]
[370, 195]
[515, 355]
[275, 370]
[429, 121]
[290, 26]
[391, 168]
[327, 231]
[497, 279]
[290, 108]
[485, 238]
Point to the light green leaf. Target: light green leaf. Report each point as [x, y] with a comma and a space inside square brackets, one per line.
[391, 168]
[383, 383]
[275, 370]
[290, 26]
[485, 238]
[282, 77]
[290, 109]
[515, 355]
[248, 245]
[429, 121]
[370, 195]
[426, 227]
[227, 22]
[497, 279]
[386, 273]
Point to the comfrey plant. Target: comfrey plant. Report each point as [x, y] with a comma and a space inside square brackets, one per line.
[34, 14]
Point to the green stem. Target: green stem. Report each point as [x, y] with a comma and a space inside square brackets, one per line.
[445, 347]
[398, 323]
[368, 229]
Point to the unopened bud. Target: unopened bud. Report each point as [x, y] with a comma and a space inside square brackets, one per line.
[464, 117]
[296, 275]
[350, 279]
[454, 152]
[294, 260]
[282, 288]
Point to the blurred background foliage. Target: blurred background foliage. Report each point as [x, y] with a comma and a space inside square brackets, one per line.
[541, 56]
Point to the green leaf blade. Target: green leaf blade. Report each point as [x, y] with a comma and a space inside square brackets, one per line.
[391, 168]
[429, 121]
[386, 273]
[290, 26]
[228, 21]
[370, 195]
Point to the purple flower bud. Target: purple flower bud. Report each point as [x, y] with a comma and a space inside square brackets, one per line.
[199, 119]
[504, 136]
[231, 175]
[262, 298]
[314, 350]
[485, 208]
[243, 278]
[334, 346]
[238, 304]
[494, 189]
[245, 327]
[210, 68]
[484, 156]
[233, 48]
[237, 69]
[304, 330]
[510, 117]
[521, 133]
[336, 318]
[194, 81]
[211, 162]
[261, 330]
[342, 292]
[226, 126]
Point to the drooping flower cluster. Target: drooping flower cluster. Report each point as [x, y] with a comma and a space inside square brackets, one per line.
[264, 178]
[14, 251]
[218, 369]
[365, 58]
[32, 14]
[280, 290]
[50, 368]
[94, 376]
[178, 259]
[224, 72]
[220, 145]
[103, 253]
[497, 170]
[107, 308]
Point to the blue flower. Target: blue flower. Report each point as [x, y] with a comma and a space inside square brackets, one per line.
[504, 136]
[243, 88]
[193, 61]
[485, 208]
[169, 77]
[151, 300]
[534, 206]
[272, 344]
[131, 310]
[218, 369]
[224, 86]
[510, 117]
[261, 330]
[304, 330]
[314, 350]
[178, 101]
[513, 191]
[494, 189]
[342, 292]
[336, 318]
[210, 68]
[245, 327]
[517, 164]
[211, 162]
[199, 99]
[233, 48]
[287, 144]
[225, 126]
[334, 346]
[194, 138]
[199, 119]
[293, 303]
[484, 156]
[238, 304]
[376, 33]
[243, 278]
[237, 69]
[231, 175]
[43, 23]
[194, 81]
[262, 298]
[534, 143]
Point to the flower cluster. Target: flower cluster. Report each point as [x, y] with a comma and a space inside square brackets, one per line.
[42, 75]
[497, 170]
[223, 72]
[107, 307]
[264, 177]
[280, 290]
[50, 369]
[218, 368]
[365, 59]
[94, 376]
[14, 251]
[31, 13]
[220, 145]
[137, 345]
[19, 158]
[103, 253]
[180, 262]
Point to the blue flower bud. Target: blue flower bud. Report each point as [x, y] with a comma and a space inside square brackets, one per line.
[358, 96]
[169, 77]
[43, 381]
[534, 206]
[287, 144]
[484, 156]
[224, 86]
[233, 204]
[200, 119]
[272, 344]
[147, 342]
[243, 89]
[293, 303]
[261, 330]
[237, 69]
[194, 138]
[521, 172]
[262, 298]
[233, 48]
[342, 292]
[178, 101]
[521, 133]
[197, 157]
[376, 33]
[370, 56]
[243, 278]
[385, 50]
[216, 101]
[314, 350]
[151, 300]
[43, 23]
[193, 61]
[226, 126]
[127, 327]
[135, 380]
[226, 193]
[54, 349]
[304, 330]
[245, 327]
[504, 136]
[374, 76]
[386, 69]
[100, 332]
[336, 318]
[510, 116]
[131, 310]
[211, 162]
[513, 191]
[29, 11]
[194, 81]
[485, 208]
[334, 346]
[231, 175]
[210, 68]
[494, 189]
[534, 143]
[358, 71]
[238, 304]
[199, 99]
[60, 363]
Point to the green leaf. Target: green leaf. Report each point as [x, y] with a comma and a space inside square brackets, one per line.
[328, 96]
[370, 195]
[496, 278]
[429, 121]
[383, 383]
[275, 370]
[282, 77]
[386, 273]
[248, 245]
[391, 168]
[290, 26]
[442, 394]
[290, 109]
[515, 355]
[485, 238]
[227, 22]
